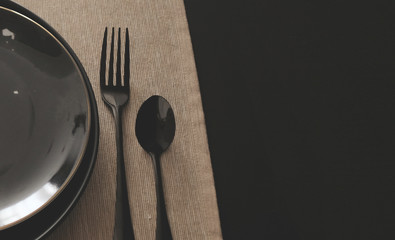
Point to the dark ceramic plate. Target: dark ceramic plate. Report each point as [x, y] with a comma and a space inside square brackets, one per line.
[48, 123]
[44, 221]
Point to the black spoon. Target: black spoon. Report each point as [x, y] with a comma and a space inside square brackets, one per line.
[155, 129]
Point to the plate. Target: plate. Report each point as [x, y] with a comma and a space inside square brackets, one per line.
[42, 223]
[47, 108]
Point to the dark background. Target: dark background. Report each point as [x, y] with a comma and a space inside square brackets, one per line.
[300, 112]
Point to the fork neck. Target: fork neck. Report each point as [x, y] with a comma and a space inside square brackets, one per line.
[117, 112]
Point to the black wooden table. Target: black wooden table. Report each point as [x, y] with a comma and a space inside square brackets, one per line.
[299, 99]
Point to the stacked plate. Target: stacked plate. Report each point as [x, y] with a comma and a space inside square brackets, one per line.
[48, 125]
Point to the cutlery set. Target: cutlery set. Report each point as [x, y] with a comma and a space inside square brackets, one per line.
[155, 130]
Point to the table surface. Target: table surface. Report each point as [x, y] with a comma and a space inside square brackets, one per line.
[299, 104]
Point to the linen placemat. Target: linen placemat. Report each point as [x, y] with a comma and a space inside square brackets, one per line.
[162, 63]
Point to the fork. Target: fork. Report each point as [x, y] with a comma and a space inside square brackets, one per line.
[116, 97]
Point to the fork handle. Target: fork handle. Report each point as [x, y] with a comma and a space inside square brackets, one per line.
[123, 228]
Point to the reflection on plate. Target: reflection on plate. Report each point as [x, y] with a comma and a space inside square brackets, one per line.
[45, 117]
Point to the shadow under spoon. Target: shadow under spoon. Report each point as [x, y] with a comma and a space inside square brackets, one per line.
[155, 130]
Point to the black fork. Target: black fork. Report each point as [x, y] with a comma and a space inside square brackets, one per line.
[116, 96]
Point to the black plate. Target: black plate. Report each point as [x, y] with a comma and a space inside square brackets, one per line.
[49, 125]
[44, 222]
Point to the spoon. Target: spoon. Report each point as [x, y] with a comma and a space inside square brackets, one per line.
[155, 129]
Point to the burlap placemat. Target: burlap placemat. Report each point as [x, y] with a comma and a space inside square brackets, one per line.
[161, 63]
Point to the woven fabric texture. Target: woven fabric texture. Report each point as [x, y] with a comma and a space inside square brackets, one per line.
[162, 63]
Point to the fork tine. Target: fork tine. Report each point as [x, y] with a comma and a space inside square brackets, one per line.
[103, 60]
[126, 74]
[111, 64]
[118, 77]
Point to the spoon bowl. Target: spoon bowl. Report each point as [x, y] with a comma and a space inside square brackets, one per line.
[155, 125]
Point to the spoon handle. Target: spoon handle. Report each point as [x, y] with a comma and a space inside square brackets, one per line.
[163, 231]
[123, 228]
